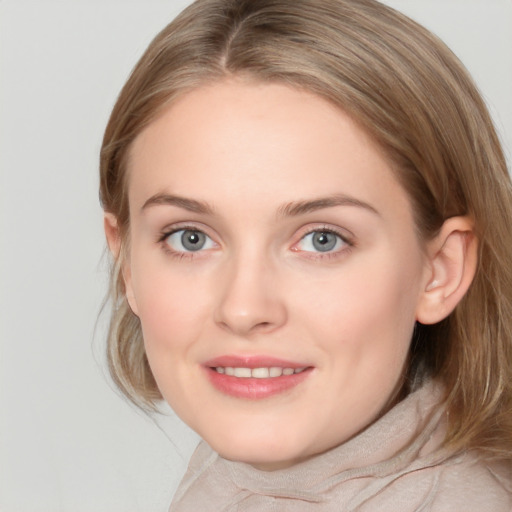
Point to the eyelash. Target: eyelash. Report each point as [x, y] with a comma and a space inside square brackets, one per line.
[328, 255]
[179, 255]
[318, 255]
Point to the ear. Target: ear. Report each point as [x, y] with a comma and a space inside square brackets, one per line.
[112, 234]
[451, 266]
[115, 246]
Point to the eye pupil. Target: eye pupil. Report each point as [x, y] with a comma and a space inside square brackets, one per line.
[193, 240]
[324, 241]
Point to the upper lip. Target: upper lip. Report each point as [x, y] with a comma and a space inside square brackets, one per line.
[252, 361]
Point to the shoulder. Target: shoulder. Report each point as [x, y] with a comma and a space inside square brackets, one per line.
[467, 482]
[470, 482]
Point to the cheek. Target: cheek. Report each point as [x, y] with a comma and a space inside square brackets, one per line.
[367, 309]
[362, 291]
[170, 306]
[172, 317]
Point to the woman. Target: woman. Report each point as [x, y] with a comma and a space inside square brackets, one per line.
[309, 212]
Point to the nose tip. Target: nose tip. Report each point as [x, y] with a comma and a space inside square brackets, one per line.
[250, 303]
[244, 324]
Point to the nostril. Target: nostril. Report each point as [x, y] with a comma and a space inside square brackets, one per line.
[256, 311]
[262, 325]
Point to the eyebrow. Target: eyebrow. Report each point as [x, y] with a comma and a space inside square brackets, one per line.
[291, 209]
[191, 205]
[301, 207]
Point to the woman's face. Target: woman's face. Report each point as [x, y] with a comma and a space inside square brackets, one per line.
[275, 269]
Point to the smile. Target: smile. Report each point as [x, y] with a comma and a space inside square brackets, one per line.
[255, 377]
[257, 373]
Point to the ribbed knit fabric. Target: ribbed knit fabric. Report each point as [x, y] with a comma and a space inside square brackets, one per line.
[395, 465]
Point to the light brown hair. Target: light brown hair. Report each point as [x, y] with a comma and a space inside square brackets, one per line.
[414, 97]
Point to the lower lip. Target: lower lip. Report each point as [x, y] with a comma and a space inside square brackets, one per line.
[255, 389]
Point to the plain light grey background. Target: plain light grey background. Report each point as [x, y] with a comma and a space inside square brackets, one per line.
[67, 441]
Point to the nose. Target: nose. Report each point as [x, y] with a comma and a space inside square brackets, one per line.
[250, 300]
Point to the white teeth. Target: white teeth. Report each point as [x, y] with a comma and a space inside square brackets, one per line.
[260, 373]
[257, 373]
[242, 372]
[275, 371]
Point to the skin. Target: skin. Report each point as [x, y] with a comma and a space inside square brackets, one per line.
[250, 153]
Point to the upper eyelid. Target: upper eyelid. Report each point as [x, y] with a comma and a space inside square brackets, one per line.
[170, 230]
[344, 240]
[330, 231]
[345, 234]
[167, 246]
[184, 226]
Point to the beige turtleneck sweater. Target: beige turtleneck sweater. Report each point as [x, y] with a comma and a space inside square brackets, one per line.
[395, 465]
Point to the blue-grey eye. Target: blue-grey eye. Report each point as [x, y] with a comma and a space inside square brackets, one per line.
[321, 241]
[189, 240]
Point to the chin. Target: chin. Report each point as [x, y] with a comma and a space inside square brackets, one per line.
[261, 461]
[265, 454]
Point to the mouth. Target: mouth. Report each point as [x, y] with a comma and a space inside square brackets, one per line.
[271, 372]
[255, 378]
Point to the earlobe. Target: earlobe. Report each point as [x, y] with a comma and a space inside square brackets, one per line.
[114, 244]
[452, 262]
[112, 234]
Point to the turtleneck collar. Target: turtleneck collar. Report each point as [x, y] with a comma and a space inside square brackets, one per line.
[385, 447]
[400, 442]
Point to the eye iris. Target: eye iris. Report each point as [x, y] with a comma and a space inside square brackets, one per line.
[324, 241]
[193, 240]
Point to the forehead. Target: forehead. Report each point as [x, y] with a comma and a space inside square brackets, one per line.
[232, 141]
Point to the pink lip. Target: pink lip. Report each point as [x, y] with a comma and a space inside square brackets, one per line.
[252, 388]
[252, 361]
